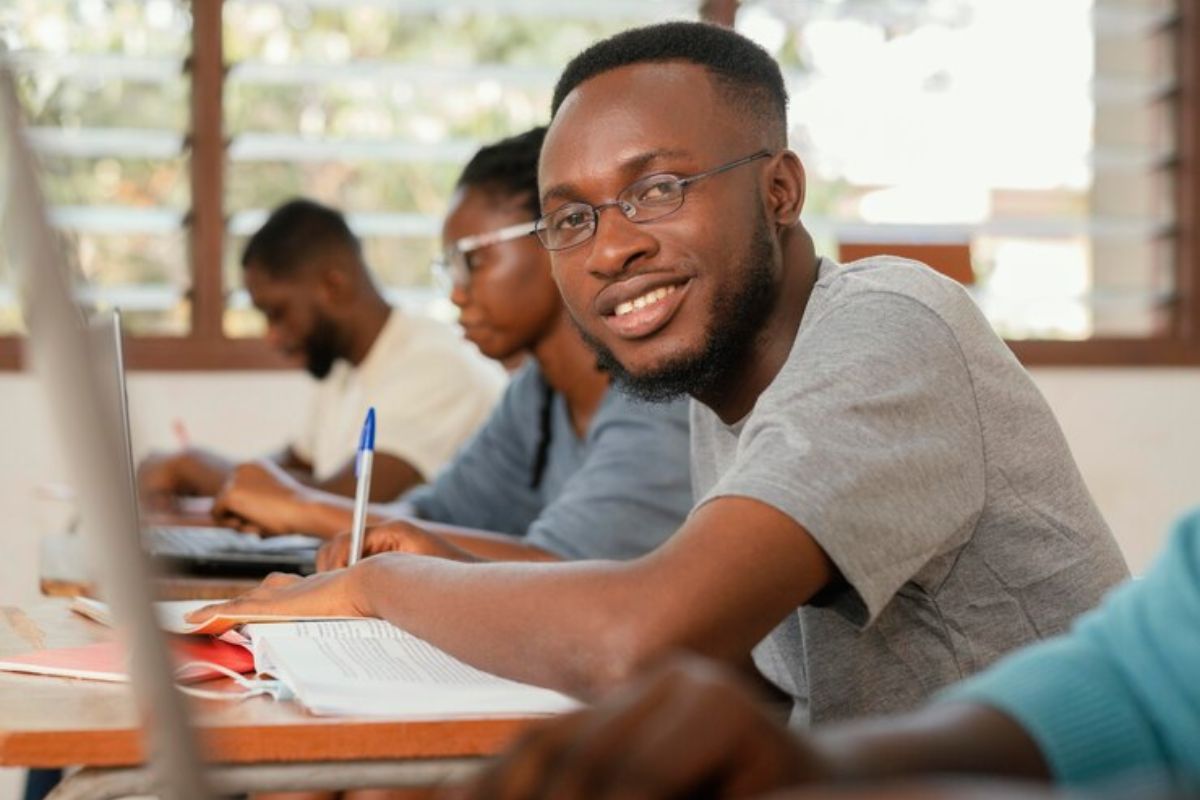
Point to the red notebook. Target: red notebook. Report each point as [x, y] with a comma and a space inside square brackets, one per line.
[105, 661]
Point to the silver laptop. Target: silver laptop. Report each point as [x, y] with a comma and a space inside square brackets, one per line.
[192, 549]
[83, 417]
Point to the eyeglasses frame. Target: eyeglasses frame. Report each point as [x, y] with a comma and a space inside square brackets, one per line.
[684, 181]
[446, 268]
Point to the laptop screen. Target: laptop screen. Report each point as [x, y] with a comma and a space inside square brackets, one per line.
[82, 416]
[110, 376]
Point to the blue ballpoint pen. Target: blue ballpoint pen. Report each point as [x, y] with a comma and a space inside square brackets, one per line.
[362, 494]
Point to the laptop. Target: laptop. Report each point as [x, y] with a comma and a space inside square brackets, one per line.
[192, 549]
[83, 416]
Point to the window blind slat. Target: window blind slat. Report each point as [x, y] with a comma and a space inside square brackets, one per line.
[106, 142]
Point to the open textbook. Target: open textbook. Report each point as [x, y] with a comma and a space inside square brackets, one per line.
[362, 667]
[370, 667]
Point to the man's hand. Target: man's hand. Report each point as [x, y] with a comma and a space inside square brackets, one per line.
[342, 593]
[396, 536]
[158, 483]
[162, 477]
[689, 729]
[260, 496]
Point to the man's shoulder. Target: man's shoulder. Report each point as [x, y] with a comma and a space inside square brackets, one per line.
[890, 275]
[889, 290]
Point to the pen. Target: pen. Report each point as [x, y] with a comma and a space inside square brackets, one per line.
[181, 433]
[362, 471]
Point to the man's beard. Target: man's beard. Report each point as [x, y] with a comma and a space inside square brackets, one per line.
[325, 345]
[736, 320]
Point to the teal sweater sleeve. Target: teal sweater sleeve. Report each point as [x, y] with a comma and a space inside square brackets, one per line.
[1117, 698]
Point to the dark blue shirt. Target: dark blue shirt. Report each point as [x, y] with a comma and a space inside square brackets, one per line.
[616, 493]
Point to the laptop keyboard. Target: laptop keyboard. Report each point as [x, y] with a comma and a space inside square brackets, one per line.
[179, 540]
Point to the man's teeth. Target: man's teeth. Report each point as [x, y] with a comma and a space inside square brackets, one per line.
[649, 298]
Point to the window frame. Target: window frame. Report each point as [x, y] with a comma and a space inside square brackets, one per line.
[207, 348]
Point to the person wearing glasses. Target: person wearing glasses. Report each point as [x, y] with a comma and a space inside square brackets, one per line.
[885, 502]
[566, 466]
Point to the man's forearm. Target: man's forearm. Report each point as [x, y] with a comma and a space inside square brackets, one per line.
[488, 545]
[494, 616]
[326, 514]
[584, 626]
[949, 738]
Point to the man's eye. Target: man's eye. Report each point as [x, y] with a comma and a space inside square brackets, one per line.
[664, 189]
[573, 220]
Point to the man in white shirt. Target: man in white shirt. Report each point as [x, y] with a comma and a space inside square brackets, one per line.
[305, 272]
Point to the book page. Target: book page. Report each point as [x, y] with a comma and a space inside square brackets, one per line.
[397, 676]
[401, 658]
[327, 629]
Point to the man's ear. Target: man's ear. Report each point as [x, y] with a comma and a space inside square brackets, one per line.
[334, 284]
[786, 184]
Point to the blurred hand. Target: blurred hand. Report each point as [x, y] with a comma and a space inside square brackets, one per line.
[162, 477]
[397, 536]
[160, 480]
[341, 593]
[691, 728]
[260, 497]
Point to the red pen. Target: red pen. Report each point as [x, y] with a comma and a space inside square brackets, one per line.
[181, 433]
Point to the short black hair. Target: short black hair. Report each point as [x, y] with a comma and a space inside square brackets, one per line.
[295, 232]
[746, 74]
[508, 167]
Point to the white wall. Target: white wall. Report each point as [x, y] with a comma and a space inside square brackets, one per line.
[1135, 433]
[1136, 436]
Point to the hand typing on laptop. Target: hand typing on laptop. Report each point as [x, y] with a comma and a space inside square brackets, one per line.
[262, 497]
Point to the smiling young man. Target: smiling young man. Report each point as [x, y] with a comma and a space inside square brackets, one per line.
[885, 502]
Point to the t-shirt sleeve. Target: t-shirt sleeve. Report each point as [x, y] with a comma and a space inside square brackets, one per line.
[631, 492]
[427, 411]
[1117, 698]
[870, 439]
[486, 485]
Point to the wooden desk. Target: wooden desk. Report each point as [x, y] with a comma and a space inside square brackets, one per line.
[55, 722]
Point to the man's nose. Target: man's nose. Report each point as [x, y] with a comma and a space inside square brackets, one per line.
[617, 243]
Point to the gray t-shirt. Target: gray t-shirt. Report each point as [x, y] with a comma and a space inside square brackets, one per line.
[904, 436]
[617, 493]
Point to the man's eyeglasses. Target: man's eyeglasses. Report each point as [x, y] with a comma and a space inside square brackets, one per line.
[646, 199]
[454, 267]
